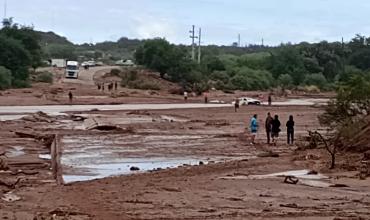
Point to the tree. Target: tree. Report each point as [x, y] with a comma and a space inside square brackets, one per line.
[28, 38]
[5, 78]
[316, 79]
[156, 55]
[287, 60]
[249, 79]
[60, 51]
[285, 81]
[15, 58]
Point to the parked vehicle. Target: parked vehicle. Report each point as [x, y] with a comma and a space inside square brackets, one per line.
[72, 69]
[125, 63]
[60, 63]
[248, 101]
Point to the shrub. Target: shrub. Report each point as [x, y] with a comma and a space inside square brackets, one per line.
[144, 85]
[285, 81]
[45, 77]
[220, 76]
[249, 79]
[316, 79]
[5, 78]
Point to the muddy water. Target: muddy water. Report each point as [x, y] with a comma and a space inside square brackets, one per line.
[91, 171]
[86, 157]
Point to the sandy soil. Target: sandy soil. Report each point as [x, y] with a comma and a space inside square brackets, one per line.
[231, 189]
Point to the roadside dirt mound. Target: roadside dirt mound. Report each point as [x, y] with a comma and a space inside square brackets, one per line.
[361, 143]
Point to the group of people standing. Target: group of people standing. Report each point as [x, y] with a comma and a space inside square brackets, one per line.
[272, 127]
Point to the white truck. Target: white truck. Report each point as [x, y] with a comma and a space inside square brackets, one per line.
[72, 69]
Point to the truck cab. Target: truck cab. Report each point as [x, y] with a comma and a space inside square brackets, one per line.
[72, 69]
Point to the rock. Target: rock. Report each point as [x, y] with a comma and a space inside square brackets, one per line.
[134, 168]
[94, 110]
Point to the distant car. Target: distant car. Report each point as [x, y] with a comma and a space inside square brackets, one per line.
[248, 101]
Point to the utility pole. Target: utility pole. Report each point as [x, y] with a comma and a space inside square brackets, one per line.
[239, 40]
[199, 48]
[262, 42]
[193, 37]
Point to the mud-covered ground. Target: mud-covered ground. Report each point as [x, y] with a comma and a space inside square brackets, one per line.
[228, 177]
[219, 190]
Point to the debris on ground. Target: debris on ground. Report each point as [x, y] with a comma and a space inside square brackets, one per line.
[10, 197]
[3, 163]
[78, 118]
[10, 185]
[139, 112]
[289, 205]
[38, 117]
[291, 180]
[134, 168]
[268, 154]
[100, 124]
[217, 123]
[47, 139]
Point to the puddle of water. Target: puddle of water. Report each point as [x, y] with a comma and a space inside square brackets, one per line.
[16, 151]
[99, 171]
[45, 156]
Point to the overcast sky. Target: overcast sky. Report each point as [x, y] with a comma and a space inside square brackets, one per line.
[221, 20]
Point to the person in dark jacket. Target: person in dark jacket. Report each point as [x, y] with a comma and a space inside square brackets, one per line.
[275, 129]
[290, 130]
[268, 127]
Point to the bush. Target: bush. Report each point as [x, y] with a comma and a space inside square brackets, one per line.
[285, 81]
[316, 79]
[248, 79]
[5, 78]
[220, 76]
[45, 77]
[144, 85]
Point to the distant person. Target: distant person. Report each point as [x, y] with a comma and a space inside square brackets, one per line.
[269, 100]
[102, 87]
[99, 86]
[236, 104]
[185, 96]
[70, 96]
[254, 129]
[115, 85]
[275, 129]
[290, 130]
[268, 127]
[205, 97]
